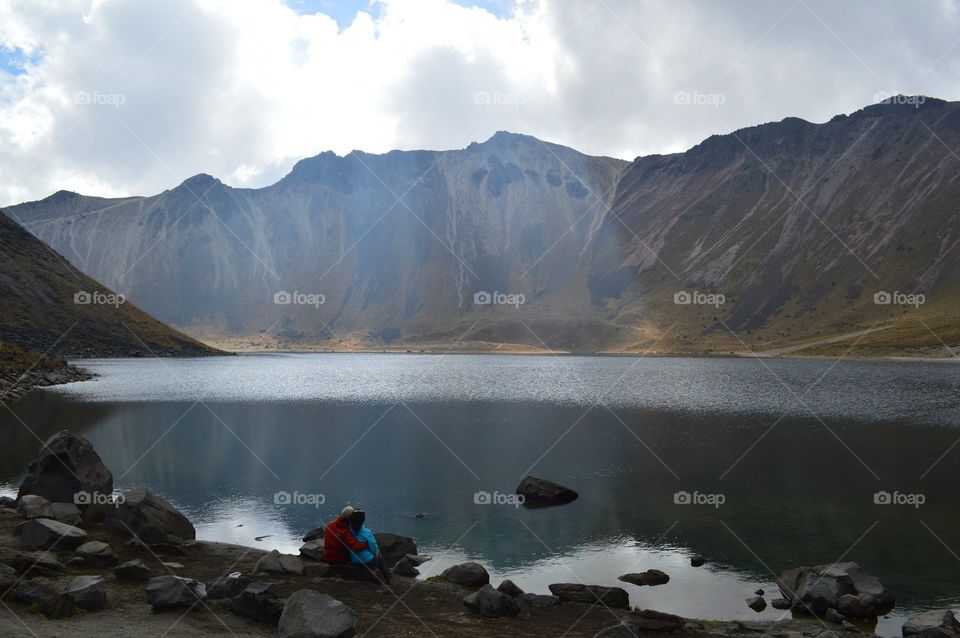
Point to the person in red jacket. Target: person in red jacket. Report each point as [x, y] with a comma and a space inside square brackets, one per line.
[337, 539]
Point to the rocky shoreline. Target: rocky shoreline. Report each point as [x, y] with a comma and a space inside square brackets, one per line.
[77, 559]
[16, 385]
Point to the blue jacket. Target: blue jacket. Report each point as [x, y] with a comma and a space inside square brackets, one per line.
[367, 555]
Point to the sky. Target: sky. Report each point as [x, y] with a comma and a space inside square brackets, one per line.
[130, 97]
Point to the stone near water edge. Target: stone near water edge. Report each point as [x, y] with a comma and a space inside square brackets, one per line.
[87, 592]
[936, 623]
[45, 595]
[394, 547]
[470, 575]
[780, 603]
[759, 592]
[67, 513]
[97, 553]
[66, 468]
[538, 492]
[260, 602]
[756, 603]
[509, 588]
[312, 550]
[165, 592]
[591, 594]
[841, 586]
[697, 560]
[650, 577]
[638, 623]
[405, 568]
[229, 586]
[33, 506]
[150, 518]
[539, 600]
[316, 534]
[46, 533]
[132, 571]
[277, 563]
[310, 614]
[491, 603]
[8, 503]
[833, 616]
[418, 559]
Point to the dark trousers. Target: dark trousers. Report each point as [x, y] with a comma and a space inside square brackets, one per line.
[381, 566]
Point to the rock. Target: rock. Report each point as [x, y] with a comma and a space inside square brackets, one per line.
[41, 563]
[76, 561]
[757, 603]
[417, 559]
[150, 518]
[66, 467]
[469, 575]
[164, 592]
[817, 589]
[172, 565]
[45, 595]
[697, 560]
[638, 623]
[394, 547]
[87, 592]
[46, 533]
[649, 577]
[97, 554]
[8, 578]
[310, 614]
[591, 594]
[759, 592]
[33, 506]
[539, 492]
[780, 603]
[230, 586]
[833, 616]
[7, 503]
[312, 550]
[491, 603]
[67, 513]
[405, 568]
[316, 534]
[132, 571]
[539, 600]
[277, 563]
[936, 623]
[260, 602]
[509, 588]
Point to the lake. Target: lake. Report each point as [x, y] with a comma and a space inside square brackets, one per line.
[783, 460]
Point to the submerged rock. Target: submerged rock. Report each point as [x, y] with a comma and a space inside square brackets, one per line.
[649, 577]
[697, 560]
[491, 603]
[67, 469]
[310, 614]
[590, 594]
[150, 518]
[539, 492]
[936, 623]
[469, 575]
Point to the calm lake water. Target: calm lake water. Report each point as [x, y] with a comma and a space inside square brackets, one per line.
[795, 450]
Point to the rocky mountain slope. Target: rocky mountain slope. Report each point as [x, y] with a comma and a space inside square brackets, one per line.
[51, 309]
[777, 235]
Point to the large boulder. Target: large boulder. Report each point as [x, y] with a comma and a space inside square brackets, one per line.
[277, 563]
[469, 575]
[394, 547]
[936, 623]
[164, 592]
[260, 602]
[97, 554]
[842, 586]
[150, 518]
[590, 594]
[33, 506]
[649, 577]
[639, 623]
[132, 571]
[45, 595]
[538, 492]
[46, 533]
[310, 614]
[87, 592]
[66, 468]
[490, 603]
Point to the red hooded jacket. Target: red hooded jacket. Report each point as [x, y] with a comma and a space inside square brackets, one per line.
[337, 537]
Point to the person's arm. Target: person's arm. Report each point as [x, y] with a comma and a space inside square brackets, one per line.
[371, 540]
[352, 543]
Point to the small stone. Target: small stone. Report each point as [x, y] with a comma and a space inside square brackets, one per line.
[469, 575]
[97, 553]
[509, 588]
[759, 592]
[650, 577]
[697, 560]
[132, 571]
[757, 603]
[312, 550]
[780, 603]
[169, 591]
[87, 592]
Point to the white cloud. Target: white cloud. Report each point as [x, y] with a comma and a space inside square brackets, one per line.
[131, 97]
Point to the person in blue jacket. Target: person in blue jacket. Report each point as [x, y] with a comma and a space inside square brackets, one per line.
[371, 558]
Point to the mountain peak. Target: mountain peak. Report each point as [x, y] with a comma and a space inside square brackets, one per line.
[200, 180]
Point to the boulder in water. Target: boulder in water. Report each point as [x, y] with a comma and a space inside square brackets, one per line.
[538, 492]
[649, 577]
[756, 603]
[67, 470]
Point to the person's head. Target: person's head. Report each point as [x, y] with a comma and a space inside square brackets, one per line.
[347, 512]
[357, 520]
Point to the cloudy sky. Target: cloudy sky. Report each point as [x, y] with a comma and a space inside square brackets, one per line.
[117, 97]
